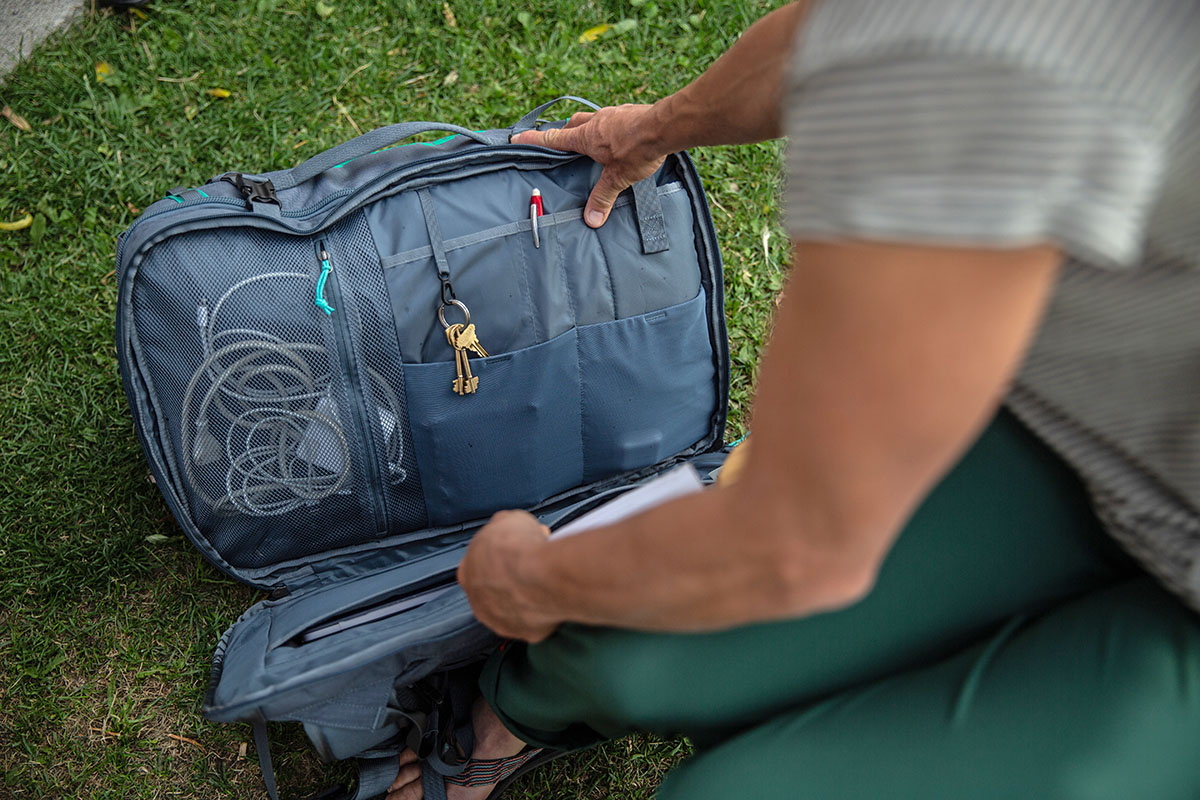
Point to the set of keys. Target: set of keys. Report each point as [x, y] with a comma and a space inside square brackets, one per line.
[462, 337]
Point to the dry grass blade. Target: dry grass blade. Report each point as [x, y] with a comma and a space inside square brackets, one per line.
[104, 732]
[184, 739]
[188, 79]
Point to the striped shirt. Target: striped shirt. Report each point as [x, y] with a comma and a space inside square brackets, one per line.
[1014, 122]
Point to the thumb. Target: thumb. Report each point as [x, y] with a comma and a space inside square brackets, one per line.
[603, 195]
[554, 138]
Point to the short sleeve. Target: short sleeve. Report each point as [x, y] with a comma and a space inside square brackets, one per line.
[974, 125]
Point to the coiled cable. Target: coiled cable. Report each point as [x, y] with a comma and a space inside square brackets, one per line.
[284, 446]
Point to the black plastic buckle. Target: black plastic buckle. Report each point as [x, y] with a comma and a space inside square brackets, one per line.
[254, 191]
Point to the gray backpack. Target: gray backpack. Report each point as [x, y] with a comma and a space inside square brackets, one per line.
[338, 372]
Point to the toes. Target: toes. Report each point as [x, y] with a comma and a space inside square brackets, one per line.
[407, 757]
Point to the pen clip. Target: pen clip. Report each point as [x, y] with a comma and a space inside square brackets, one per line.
[536, 209]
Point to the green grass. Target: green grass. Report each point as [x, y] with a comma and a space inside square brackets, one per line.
[108, 617]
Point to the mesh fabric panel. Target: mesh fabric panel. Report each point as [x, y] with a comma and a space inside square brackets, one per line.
[254, 398]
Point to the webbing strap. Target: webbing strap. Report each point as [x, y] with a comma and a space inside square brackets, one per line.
[453, 734]
[436, 243]
[530, 120]
[375, 775]
[652, 225]
[263, 747]
[433, 786]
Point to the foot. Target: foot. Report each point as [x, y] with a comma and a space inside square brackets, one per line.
[492, 740]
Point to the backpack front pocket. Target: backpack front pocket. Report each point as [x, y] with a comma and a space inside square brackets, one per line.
[511, 444]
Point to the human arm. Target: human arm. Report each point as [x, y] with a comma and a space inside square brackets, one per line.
[735, 101]
[885, 362]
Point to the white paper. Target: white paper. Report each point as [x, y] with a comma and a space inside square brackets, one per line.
[682, 480]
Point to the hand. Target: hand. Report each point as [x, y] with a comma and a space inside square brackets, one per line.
[494, 574]
[619, 138]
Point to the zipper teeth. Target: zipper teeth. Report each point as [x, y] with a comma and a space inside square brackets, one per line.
[416, 167]
[341, 193]
[356, 391]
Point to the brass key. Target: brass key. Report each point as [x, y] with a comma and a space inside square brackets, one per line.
[465, 383]
[462, 337]
[468, 340]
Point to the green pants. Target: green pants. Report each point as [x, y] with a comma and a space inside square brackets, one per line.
[1009, 649]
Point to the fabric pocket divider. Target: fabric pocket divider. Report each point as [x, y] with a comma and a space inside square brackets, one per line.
[642, 400]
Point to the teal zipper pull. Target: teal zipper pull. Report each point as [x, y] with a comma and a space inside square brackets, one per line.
[326, 268]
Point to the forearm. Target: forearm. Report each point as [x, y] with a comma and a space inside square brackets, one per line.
[884, 364]
[702, 562]
[737, 100]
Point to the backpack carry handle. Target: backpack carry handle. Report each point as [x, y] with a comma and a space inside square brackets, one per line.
[530, 120]
[370, 142]
[391, 134]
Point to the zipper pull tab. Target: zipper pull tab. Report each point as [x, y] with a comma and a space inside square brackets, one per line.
[202, 325]
[326, 268]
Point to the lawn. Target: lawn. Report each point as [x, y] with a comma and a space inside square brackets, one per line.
[108, 616]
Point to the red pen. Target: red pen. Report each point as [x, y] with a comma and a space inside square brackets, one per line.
[536, 209]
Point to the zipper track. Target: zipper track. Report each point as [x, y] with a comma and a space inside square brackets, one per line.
[348, 356]
[417, 167]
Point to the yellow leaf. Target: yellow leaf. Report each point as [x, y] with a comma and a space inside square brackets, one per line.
[220, 93]
[592, 34]
[16, 225]
[15, 119]
[448, 13]
[103, 71]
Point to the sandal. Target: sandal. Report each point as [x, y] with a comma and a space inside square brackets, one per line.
[501, 771]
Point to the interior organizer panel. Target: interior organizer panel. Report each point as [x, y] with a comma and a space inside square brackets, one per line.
[520, 294]
[600, 359]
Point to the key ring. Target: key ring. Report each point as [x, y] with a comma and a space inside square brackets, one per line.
[461, 307]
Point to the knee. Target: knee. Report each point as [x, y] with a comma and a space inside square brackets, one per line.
[1140, 732]
[620, 676]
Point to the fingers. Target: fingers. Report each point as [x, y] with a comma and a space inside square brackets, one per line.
[603, 195]
[554, 138]
[578, 118]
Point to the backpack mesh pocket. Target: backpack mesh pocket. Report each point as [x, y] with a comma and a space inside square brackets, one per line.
[250, 385]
